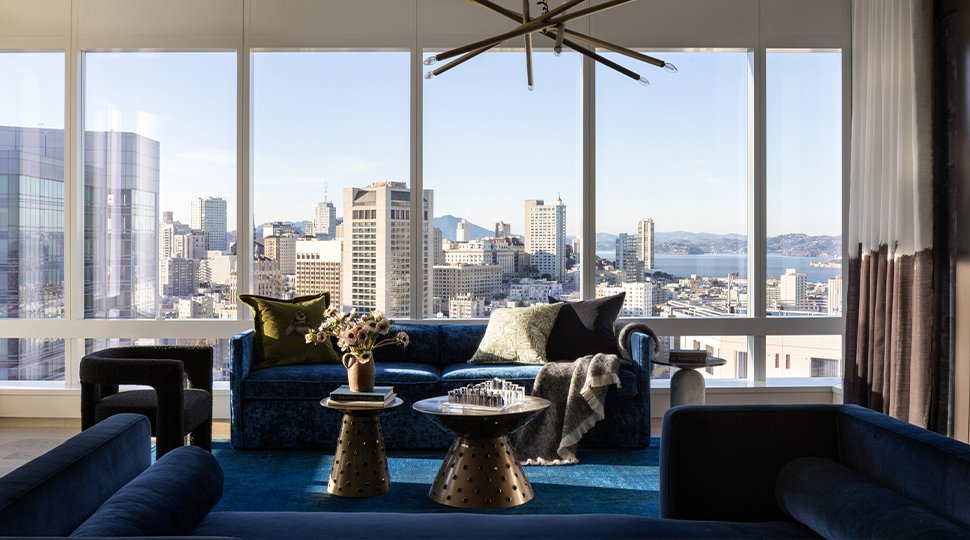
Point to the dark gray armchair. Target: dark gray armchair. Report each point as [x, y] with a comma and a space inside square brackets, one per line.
[179, 404]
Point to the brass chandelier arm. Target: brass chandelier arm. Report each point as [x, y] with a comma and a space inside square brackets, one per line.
[592, 10]
[528, 45]
[537, 24]
[488, 4]
[605, 61]
[615, 48]
[460, 60]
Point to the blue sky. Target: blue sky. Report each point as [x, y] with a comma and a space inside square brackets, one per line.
[674, 151]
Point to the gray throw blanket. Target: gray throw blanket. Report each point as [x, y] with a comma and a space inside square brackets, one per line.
[577, 391]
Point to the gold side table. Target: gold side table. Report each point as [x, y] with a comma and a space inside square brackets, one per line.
[481, 469]
[359, 461]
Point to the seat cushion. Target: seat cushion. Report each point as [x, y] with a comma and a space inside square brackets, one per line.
[458, 375]
[197, 406]
[411, 381]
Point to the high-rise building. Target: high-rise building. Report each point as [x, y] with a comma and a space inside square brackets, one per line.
[318, 268]
[325, 221]
[437, 250]
[490, 251]
[640, 299]
[179, 276]
[466, 306]
[792, 290]
[545, 240]
[645, 240]
[483, 280]
[626, 258]
[267, 277]
[121, 182]
[209, 214]
[377, 249]
[32, 263]
[502, 229]
[464, 231]
[835, 295]
[283, 249]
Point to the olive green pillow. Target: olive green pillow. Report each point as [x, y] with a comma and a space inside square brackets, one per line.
[281, 327]
[517, 335]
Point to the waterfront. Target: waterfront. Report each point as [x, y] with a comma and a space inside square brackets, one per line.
[721, 264]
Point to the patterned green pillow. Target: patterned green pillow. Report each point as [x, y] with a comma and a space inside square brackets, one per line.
[281, 327]
[517, 335]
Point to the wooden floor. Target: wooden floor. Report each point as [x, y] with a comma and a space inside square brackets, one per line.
[23, 439]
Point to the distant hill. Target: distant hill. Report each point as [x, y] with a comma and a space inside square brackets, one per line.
[688, 243]
[449, 227]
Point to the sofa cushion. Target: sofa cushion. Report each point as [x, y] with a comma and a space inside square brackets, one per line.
[925, 467]
[460, 341]
[458, 375]
[54, 493]
[198, 406]
[422, 349]
[585, 327]
[169, 499]
[517, 335]
[411, 381]
[281, 327]
[836, 502]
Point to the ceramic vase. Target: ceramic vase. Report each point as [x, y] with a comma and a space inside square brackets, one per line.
[360, 376]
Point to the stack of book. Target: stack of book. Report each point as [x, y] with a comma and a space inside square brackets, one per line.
[381, 396]
[687, 356]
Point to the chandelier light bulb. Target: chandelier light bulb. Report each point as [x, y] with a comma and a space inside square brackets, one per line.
[644, 81]
[557, 51]
[670, 67]
[431, 60]
[430, 75]
[532, 87]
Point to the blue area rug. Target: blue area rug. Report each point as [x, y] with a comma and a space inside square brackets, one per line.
[609, 481]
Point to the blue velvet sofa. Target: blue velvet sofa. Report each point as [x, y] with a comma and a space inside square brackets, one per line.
[279, 407]
[761, 471]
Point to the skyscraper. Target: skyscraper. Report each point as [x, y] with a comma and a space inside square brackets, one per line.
[209, 214]
[464, 231]
[645, 243]
[545, 239]
[792, 289]
[325, 221]
[377, 248]
[626, 258]
[502, 229]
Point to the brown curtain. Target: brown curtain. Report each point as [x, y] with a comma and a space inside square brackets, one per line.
[890, 364]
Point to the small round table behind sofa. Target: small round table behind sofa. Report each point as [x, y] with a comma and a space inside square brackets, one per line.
[481, 469]
[687, 384]
[359, 461]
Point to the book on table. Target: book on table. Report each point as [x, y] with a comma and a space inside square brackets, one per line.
[687, 356]
[378, 395]
[364, 403]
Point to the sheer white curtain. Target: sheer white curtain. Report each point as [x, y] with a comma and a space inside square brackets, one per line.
[889, 357]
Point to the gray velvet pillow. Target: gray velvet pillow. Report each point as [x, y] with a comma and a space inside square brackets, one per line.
[517, 335]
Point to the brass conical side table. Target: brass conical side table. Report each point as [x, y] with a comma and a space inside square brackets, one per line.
[359, 461]
[481, 469]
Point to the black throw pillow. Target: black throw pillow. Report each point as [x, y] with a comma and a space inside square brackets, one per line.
[584, 328]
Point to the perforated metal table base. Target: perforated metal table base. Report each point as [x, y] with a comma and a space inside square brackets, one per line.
[481, 473]
[359, 461]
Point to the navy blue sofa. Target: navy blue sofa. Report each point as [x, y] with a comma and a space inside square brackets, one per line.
[761, 471]
[279, 407]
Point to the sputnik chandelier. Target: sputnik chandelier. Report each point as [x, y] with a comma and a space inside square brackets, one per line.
[551, 24]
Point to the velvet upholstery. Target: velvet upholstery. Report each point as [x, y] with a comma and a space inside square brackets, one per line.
[381, 526]
[170, 498]
[280, 407]
[725, 459]
[830, 499]
[54, 493]
[882, 450]
[174, 411]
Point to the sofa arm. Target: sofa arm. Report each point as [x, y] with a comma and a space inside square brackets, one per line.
[721, 462]
[641, 348]
[242, 358]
